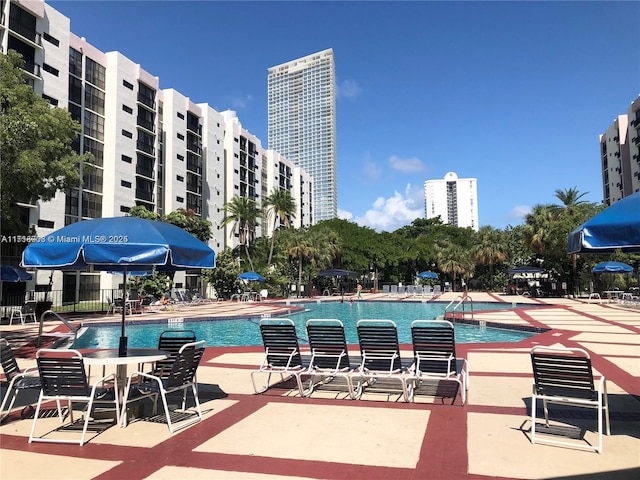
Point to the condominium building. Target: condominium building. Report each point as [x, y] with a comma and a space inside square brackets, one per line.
[620, 155]
[453, 199]
[152, 147]
[302, 123]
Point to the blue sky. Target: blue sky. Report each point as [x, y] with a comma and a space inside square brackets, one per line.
[514, 94]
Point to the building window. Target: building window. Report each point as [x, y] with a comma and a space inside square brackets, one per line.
[49, 99]
[75, 62]
[45, 223]
[50, 39]
[48, 68]
[95, 73]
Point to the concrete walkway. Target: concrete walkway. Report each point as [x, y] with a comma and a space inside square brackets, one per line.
[278, 435]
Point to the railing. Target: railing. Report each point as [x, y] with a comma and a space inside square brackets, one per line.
[459, 301]
[73, 330]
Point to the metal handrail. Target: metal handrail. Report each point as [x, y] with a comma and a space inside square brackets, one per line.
[461, 299]
[73, 329]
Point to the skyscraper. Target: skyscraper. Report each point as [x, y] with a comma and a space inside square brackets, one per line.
[302, 123]
[454, 199]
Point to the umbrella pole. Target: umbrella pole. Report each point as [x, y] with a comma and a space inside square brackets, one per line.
[122, 349]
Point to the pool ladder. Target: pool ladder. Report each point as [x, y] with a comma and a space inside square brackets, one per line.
[73, 331]
[459, 301]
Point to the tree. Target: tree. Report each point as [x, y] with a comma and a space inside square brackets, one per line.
[244, 214]
[281, 205]
[190, 222]
[489, 249]
[37, 158]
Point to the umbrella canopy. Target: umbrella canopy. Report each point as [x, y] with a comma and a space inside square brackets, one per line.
[119, 244]
[612, 267]
[336, 272]
[427, 274]
[9, 273]
[251, 277]
[615, 228]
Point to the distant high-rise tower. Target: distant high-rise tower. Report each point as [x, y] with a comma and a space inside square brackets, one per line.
[302, 123]
[454, 199]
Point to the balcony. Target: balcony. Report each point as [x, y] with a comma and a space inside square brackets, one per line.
[143, 147]
[144, 195]
[144, 171]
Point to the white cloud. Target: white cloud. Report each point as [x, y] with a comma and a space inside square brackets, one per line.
[519, 212]
[344, 215]
[406, 164]
[389, 214]
[240, 102]
[348, 89]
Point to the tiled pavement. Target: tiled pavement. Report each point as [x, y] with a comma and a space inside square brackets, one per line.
[278, 435]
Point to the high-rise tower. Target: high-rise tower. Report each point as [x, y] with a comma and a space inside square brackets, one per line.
[302, 123]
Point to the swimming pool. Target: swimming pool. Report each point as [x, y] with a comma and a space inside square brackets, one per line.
[239, 332]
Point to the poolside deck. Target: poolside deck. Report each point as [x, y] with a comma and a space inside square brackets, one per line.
[278, 435]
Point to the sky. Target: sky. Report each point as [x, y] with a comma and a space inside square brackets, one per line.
[513, 93]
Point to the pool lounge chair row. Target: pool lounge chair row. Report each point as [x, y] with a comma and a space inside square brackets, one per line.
[433, 368]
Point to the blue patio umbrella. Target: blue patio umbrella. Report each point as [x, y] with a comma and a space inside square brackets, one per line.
[336, 272]
[612, 267]
[251, 277]
[119, 244]
[615, 228]
[427, 274]
[9, 273]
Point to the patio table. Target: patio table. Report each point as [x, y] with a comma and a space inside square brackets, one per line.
[135, 356]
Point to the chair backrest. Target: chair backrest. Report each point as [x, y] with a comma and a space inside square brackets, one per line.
[186, 363]
[29, 307]
[172, 341]
[9, 363]
[378, 341]
[434, 342]
[280, 339]
[326, 337]
[565, 372]
[62, 373]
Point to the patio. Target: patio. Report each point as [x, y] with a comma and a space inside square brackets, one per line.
[279, 435]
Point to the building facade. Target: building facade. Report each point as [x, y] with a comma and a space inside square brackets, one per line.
[151, 147]
[620, 156]
[302, 123]
[453, 199]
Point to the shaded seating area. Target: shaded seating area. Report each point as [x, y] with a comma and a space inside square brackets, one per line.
[381, 365]
[63, 377]
[330, 359]
[180, 378]
[281, 354]
[24, 313]
[17, 380]
[564, 376]
[436, 363]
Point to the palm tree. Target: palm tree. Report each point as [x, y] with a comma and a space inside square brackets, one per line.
[455, 261]
[490, 249]
[570, 199]
[244, 214]
[282, 206]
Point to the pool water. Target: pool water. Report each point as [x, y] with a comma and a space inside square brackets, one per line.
[241, 332]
